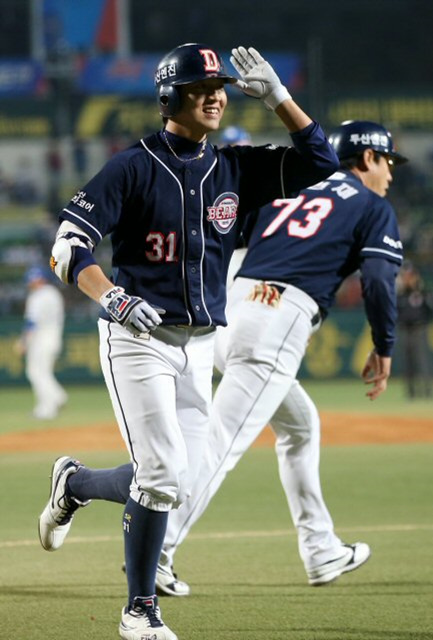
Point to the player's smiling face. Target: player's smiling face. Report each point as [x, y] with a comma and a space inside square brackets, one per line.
[203, 105]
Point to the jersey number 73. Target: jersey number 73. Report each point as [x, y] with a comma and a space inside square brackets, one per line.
[316, 211]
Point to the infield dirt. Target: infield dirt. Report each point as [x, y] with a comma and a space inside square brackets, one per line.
[337, 428]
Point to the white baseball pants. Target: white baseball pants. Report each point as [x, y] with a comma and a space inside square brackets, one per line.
[260, 353]
[161, 391]
[42, 353]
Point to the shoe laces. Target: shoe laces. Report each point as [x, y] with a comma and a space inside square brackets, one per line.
[67, 510]
[148, 608]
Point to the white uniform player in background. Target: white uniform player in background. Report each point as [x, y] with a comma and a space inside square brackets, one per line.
[41, 342]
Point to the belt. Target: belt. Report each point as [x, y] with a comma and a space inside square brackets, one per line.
[317, 316]
[193, 327]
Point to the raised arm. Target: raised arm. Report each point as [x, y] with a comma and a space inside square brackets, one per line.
[259, 80]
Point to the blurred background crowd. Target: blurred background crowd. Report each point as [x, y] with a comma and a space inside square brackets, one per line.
[76, 85]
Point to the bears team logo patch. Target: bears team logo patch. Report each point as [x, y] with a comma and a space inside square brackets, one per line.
[223, 212]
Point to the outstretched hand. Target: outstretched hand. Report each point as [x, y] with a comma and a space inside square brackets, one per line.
[259, 79]
[376, 372]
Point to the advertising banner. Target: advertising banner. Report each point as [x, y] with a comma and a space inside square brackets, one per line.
[20, 78]
[337, 350]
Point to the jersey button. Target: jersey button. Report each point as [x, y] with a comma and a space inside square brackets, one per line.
[197, 307]
[193, 232]
[192, 192]
[193, 269]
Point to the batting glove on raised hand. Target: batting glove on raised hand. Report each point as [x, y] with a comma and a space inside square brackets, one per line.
[133, 313]
[259, 80]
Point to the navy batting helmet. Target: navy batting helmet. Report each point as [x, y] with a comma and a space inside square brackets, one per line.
[354, 136]
[187, 63]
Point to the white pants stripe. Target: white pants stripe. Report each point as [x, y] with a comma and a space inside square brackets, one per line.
[161, 392]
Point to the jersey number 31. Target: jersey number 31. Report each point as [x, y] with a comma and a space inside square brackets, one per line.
[163, 247]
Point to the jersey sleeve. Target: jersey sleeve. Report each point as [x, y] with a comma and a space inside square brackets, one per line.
[379, 292]
[97, 207]
[379, 234]
[270, 172]
[311, 160]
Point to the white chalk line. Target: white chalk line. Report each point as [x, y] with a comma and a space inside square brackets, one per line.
[231, 535]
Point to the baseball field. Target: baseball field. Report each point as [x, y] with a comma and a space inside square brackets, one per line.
[241, 558]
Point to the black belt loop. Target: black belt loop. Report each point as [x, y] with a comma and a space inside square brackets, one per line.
[316, 319]
[279, 288]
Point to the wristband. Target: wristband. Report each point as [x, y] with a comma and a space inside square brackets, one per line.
[277, 96]
[108, 296]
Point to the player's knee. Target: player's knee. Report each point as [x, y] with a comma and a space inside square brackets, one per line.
[155, 502]
[163, 500]
[293, 440]
[161, 489]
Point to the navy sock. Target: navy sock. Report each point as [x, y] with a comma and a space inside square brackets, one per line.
[101, 484]
[144, 532]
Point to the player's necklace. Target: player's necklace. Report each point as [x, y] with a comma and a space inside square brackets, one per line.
[197, 157]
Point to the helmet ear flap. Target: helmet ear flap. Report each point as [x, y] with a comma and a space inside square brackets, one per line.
[168, 100]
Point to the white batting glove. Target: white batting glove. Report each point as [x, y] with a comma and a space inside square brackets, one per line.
[133, 313]
[259, 80]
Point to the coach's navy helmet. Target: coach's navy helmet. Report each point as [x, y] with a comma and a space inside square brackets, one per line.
[354, 136]
[186, 63]
[235, 135]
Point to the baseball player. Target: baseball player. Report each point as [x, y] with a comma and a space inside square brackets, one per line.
[41, 342]
[171, 204]
[299, 252]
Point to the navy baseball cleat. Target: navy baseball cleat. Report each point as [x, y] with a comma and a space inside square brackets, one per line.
[56, 519]
[143, 621]
[354, 555]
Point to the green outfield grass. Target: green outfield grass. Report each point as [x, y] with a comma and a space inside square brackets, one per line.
[86, 406]
[241, 558]
[91, 404]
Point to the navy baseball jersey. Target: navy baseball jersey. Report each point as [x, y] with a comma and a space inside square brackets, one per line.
[174, 223]
[321, 236]
[317, 239]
